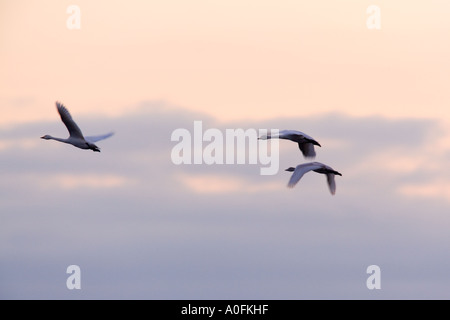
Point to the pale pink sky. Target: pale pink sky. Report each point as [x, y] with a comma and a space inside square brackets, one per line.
[231, 59]
[142, 227]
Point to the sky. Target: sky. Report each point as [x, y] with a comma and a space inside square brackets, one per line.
[141, 227]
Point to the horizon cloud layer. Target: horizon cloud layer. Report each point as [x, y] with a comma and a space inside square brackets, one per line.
[141, 227]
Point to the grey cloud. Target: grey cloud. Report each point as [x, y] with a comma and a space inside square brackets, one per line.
[157, 239]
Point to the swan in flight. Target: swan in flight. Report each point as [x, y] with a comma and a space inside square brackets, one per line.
[301, 169]
[305, 143]
[76, 138]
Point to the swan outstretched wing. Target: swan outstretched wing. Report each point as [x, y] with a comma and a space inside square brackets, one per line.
[307, 148]
[300, 170]
[98, 138]
[331, 183]
[66, 118]
[294, 135]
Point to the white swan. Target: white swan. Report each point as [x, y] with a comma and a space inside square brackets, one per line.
[76, 138]
[301, 169]
[305, 143]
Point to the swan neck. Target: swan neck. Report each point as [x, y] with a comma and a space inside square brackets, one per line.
[58, 139]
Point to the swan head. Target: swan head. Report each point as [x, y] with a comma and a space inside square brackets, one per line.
[93, 147]
[290, 169]
[46, 137]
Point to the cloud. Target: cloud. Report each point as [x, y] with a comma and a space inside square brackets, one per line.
[437, 188]
[141, 227]
[21, 143]
[223, 184]
[70, 181]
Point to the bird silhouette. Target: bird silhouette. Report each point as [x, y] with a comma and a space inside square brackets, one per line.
[305, 142]
[318, 167]
[76, 137]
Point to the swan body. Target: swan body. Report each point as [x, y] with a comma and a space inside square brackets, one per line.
[305, 142]
[318, 167]
[76, 137]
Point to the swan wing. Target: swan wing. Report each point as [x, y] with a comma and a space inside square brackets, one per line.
[66, 118]
[285, 134]
[292, 134]
[300, 170]
[98, 138]
[331, 183]
[307, 148]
